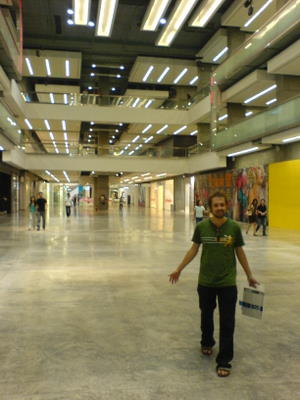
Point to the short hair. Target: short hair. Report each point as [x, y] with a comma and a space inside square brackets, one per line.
[216, 194]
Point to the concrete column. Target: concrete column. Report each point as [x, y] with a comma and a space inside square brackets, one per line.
[287, 87]
[204, 72]
[236, 113]
[101, 192]
[103, 139]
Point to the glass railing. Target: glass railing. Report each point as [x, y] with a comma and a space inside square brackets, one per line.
[278, 118]
[124, 150]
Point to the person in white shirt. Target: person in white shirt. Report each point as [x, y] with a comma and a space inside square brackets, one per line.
[199, 211]
[68, 205]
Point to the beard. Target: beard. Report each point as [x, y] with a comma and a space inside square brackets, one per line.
[219, 214]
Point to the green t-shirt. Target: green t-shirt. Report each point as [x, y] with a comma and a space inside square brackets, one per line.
[218, 261]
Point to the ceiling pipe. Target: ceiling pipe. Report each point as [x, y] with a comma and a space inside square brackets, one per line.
[275, 34]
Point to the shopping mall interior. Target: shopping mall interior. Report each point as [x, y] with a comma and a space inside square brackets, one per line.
[129, 112]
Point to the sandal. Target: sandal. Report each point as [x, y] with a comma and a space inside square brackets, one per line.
[206, 351]
[222, 372]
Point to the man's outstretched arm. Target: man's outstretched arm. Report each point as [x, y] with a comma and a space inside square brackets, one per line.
[190, 255]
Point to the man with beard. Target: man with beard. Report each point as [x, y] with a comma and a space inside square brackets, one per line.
[222, 242]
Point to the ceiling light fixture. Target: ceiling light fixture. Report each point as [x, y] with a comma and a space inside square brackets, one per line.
[153, 15]
[47, 124]
[91, 24]
[222, 52]
[223, 117]
[148, 139]
[65, 98]
[150, 69]
[180, 130]
[250, 150]
[258, 12]
[70, 11]
[205, 12]
[51, 136]
[28, 123]
[81, 11]
[181, 12]
[148, 104]
[63, 124]
[147, 128]
[159, 175]
[194, 133]
[260, 94]
[66, 176]
[1, 148]
[70, 22]
[106, 14]
[65, 136]
[248, 113]
[182, 73]
[271, 102]
[131, 153]
[291, 139]
[48, 67]
[164, 73]
[28, 63]
[67, 67]
[194, 80]
[135, 139]
[51, 98]
[148, 173]
[162, 129]
[136, 102]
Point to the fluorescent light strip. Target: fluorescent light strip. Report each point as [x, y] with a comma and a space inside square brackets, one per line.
[135, 139]
[178, 17]
[28, 63]
[131, 153]
[1, 148]
[51, 95]
[148, 173]
[242, 152]
[159, 175]
[81, 11]
[180, 130]
[260, 94]
[106, 14]
[182, 73]
[194, 133]
[148, 104]
[63, 124]
[257, 13]
[222, 52]
[28, 123]
[148, 177]
[147, 128]
[47, 124]
[155, 11]
[164, 73]
[48, 67]
[162, 129]
[65, 98]
[248, 113]
[65, 136]
[149, 138]
[291, 139]
[51, 136]
[66, 175]
[136, 101]
[67, 67]
[205, 12]
[223, 117]
[149, 70]
[194, 80]
[271, 102]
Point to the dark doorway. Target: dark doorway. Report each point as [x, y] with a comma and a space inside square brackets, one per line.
[5, 193]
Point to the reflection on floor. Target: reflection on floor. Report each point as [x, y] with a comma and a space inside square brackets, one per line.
[87, 313]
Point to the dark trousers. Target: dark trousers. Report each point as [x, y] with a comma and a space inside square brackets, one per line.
[262, 221]
[41, 214]
[198, 220]
[68, 210]
[227, 297]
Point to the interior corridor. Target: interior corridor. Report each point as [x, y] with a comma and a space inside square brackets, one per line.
[87, 312]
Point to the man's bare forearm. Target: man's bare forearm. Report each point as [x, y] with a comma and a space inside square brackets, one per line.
[190, 255]
[243, 261]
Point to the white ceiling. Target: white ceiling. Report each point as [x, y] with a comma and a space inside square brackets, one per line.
[176, 66]
[69, 90]
[213, 47]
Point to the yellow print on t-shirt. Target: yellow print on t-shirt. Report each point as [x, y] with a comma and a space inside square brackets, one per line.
[227, 240]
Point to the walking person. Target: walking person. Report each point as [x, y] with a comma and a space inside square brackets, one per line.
[32, 212]
[261, 217]
[41, 210]
[252, 215]
[68, 205]
[199, 211]
[222, 242]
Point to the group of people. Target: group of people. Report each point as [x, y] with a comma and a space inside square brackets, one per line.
[37, 208]
[257, 216]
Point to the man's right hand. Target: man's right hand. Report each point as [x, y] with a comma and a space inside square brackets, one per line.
[174, 276]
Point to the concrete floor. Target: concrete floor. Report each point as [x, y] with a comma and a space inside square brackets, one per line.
[87, 312]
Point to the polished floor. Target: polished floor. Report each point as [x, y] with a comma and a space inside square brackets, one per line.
[87, 312]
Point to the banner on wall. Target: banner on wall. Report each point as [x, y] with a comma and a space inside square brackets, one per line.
[241, 186]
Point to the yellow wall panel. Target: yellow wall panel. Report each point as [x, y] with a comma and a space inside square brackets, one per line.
[284, 195]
